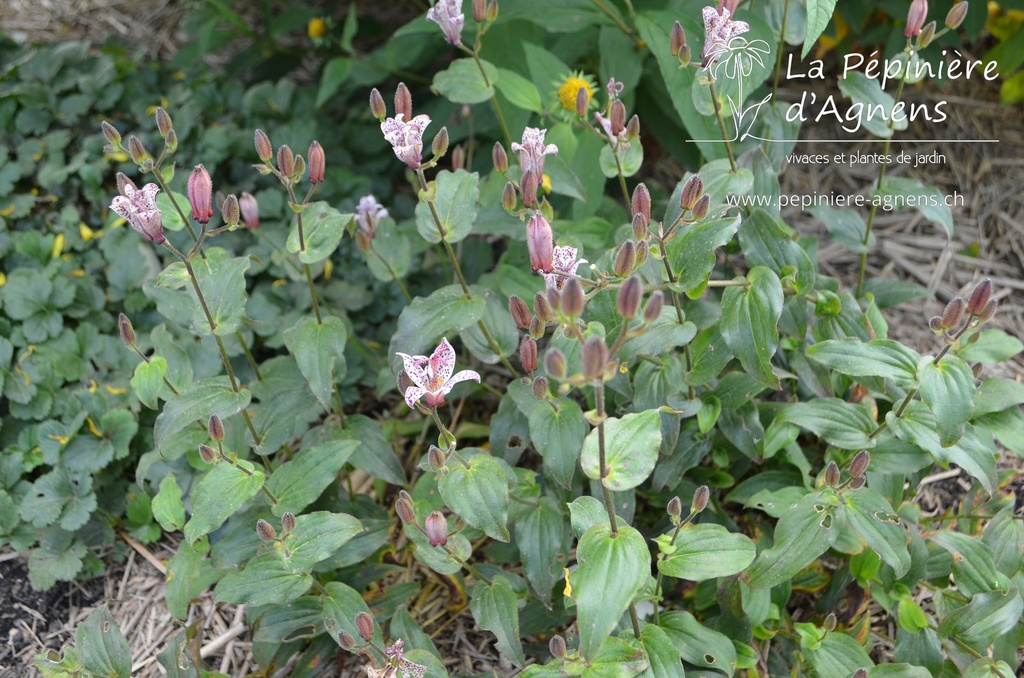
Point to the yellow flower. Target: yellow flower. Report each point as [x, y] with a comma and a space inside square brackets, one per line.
[85, 232]
[545, 183]
[317, 28]
[569, 90]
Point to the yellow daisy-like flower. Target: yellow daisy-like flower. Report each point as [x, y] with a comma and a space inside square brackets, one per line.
[567, 89]
[317, 28]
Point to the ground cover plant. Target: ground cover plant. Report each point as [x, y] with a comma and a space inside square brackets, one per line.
[637, 432]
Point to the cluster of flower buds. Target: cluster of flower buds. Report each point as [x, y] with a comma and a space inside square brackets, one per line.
[678, 46]
[289, 167]
[978, 309]
[925, 33]
[617, 130]
[694, 200]
[858, 467]
[269, 535]
[484, 11]
[435, 527]
[135, 149]
[700, 502]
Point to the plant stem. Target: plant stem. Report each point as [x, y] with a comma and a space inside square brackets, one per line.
[170, 196]
[782, 46]
[391, 271]
[618, 22]
[494, 98]
[622, 181]
[721, 124]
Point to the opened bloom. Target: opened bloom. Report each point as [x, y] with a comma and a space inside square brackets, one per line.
[406, 137]
[432, 377]
[532, 150]
[719, 30]
[368, 215]
[396, 665]
[139, 208]
[564, 263]
[448, 15]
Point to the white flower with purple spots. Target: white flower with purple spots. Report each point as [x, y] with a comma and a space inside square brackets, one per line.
[448, 15]
[138, 207]
[397, 666]
[368, 215]
[719, 30]
[532, 150]
[406, 137]
[564, 262]
[433, 376]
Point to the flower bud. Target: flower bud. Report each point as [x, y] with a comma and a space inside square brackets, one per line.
[519, 311]
[642, 251]
[572, 298]
[230, 210]
[123, 183]
[298, 169]
[915, 17]
[264, 149]
[537, 328]
[404, 509]
[540, 242]
[265, 530]
[926, 35]
[935, 324]
[640, 229]
[435, 457]
[124, 326]
[436, 527]
[641, 203]
[989, 311]
[684, 56]
[556, 646]
[207, 453]
[528, 354]
[250, 210]
[317, 162]
[285, 161]
[171, 141]
[554, 298]
[200, 194]
[288, 521]
[404, 382]
[857, 483]
[977, 369]
[540, 388]
[676, 38]
[953, 313]
[364, 625]
[628, 302]
[440, 144]
[979, 297]
[479, 10]
[508, 197]
[541, 307]
[594, 357]
[832, 474]
[618, 117]
[345, 640]
[675, 507]
[860, 462]
[582, 102]
[458, 158]
[861, 673]
[499, 157]
[830, 622]
[215, 427]
[492, 10]
[554, 363]
[163, 122]
[693, 189]
[403, 102]
[111, 133]
[656, 302]
[625, 259]
[633, 127]
[377, 107]
[528, 188]
[956, 15]
[700, 210]
[700, 499]
[136, 150]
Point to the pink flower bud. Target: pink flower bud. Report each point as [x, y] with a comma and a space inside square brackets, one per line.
[171, 141]
[404, 508]
[540, 388]
[288, 521]
[541, 307]
[528, 188]
[675, 507]
[956, 15]
[265, 530]
[625, 259]
[317, 162]
[435, 457]
[124, 326]
[230, 210]
[458, 157]
[633, 127]
[642, 251]
[582, 102]
[508, 197]
[364, 624]
[215, 427]
[618, 117]
[859, 465]
[693, 189]
[479, 10]
[264, 149]
[136, 150]
[858, 482]
[440, 145]
[557, 647]
[700, 210]
[554, 363]
[677, 38]
[832, 474]
[163, 122]
[285, 161]
[111, 133]
[200, 194]
[250, 209]
[125, 185]
[537, 328]
[207, 453]
[915, 17]
[628, 302]
[979, 297]
[528, 354]
[953, 313]
[594, 357]
[641, 202]
[700, 499]
[499, 157]
[572, 298]
[377, 107]
[345, 640]
[436, 527]
[519, 311]
[656, 302]
[403, 102]
[540, 242]
[990, 310]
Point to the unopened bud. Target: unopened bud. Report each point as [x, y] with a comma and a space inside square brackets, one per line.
[633, 127]
[215, 427]
[528, 354]
[123, 183]
[250, 210]
[935, 324]
[684, 56]
[556, 646]
[641, 203]
[540, 242]
[953, 313]
[979, 297]
[528, 188]
[364, 625]
[317, 162]
[479, 10]
[582, 102]
[628, 302]
[640, 229]
[832, 474]
[541, 307]
[675, 507]
[404, 508]
[554, 298]
[136, 150]
[676, 38]
[264, 149]
[265, 530]
[163, 121]
[618, 117]
[111, 133]
[230, 210]
[537, 328]
[926, 35]
[572, 298]
[440, 145]
[861, 673]
[435, 457]
[403, 102]
[298, 169]
[700, 499]
[860, 462]
[207, 453]
[700, 210]
[540, 388]
[642, 250]
[956, 15]
[492, 10]
[625, 259]
[285, 161]
[977, 369]
[377, 107]
[989, 311]
[171, 141]
[200, 194]
[857, 483]
[594, 357]
[288, 521]
[508, 197]
[458, 158]
[345, 640]
[830, 622]
[554, 363]
[124, 326]
[519, 311]
[693, 189]
[499, 157]
[915, 17]
[436, 527]
[656, 302]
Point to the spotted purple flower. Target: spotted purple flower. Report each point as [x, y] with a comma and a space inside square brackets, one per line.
[139, 208]
[368, 215]
[433, 376]
[719, 30]
[532, 150]
[406, 137]
[396, 665]
[564, 263]
[448, 15]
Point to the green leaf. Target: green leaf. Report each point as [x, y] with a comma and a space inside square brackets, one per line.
[322, 229]
[189, 572]
[148, 381]
[661, 336]
[802, 534]
[222, 281]
[543, 536]
[929, 201]
[168, 508]
[766, 243]
[319, 350]
[873, 519]
[495, 609]
[948, 390]
[456, 203]
[622, 657]
[266, 580]
[499, 323]
[427, 319]
[661, 652]
[317, 536]
[876, 358]
[462, 82]
[301, 481]
[202, 399]
[630, 159]
[819, 12]
[869, 94]
[1004, 534]
[334, 75]
[478, 494]
[704, 552]
[974, 563]
[286, 405]
[585, 512]
[340, 607]
[374, 453]
[837, 655]
[222, 491]
[102, 646]
[996, 394]
[631, 450]
[985, 618]
[697, 644]
[991, 347]
[835, 421]
[558, 435]
[749, 323]
[437, 558]
[692, 252]
[519, 91]
[391, 254]
[610, 572]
